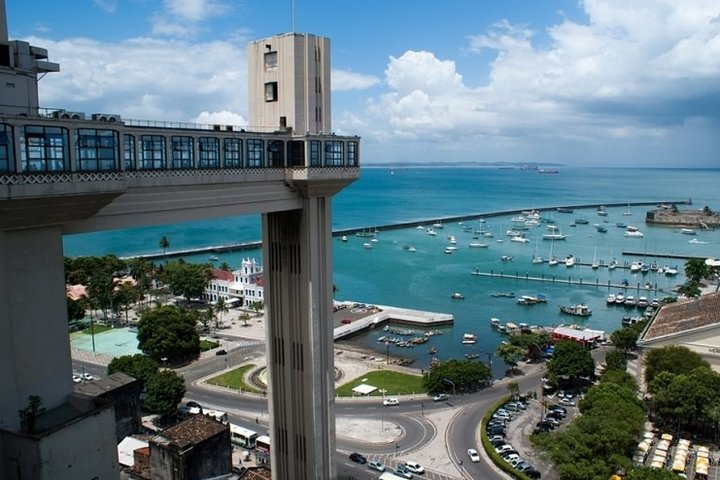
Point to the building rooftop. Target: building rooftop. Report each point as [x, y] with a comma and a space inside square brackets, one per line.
[684, 315]
[192, 431]
[98, 387]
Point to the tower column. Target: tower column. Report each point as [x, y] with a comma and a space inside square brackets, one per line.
[297, 261]
[34, 350]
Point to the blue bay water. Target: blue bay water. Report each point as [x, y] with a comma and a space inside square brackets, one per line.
[387, 274]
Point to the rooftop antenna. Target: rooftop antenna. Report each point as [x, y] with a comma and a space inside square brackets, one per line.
[292, 16]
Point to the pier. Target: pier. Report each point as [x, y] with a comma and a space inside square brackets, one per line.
[554, 279]
[239, 247]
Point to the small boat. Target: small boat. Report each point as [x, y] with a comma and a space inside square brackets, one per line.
[214, 258]
[478, 245]
[619, 298]
[452, 239]
[412, 249]
[634, 234]
[627, 212]
[687, 231]
[506, 258]
[581, 221]
[611, 298]
[696, 241]
[449, 251]
[601, 211]
[630, 301]
[580, 310]
[431, 232]
[642, 302]
[344, 238]
[503, 294]
[564, 210]
[432, 350]
[553, 261]
[620, 225]
[600, 228]
[512, 233]
[495, 322]
[520, 239]
[612, 265]
[419, 227]
[636, 267]
[367, 245]
[469, 339]
[537, 260]
[570, 261]
[670, 271]
[457, 296]
[554, 236]
[472, 356]
[438, 225]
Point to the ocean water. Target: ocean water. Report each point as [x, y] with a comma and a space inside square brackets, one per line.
[388, 274]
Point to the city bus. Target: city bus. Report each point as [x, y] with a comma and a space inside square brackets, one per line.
[243, 436]
[262, 444]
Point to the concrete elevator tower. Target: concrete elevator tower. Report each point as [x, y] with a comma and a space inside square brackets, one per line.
[289, 90]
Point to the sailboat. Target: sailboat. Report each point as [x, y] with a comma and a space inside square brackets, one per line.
[553, 259]
[595, 263]
[535, 258]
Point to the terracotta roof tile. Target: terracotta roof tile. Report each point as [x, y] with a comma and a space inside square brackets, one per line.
[194, 430]
[684, 315]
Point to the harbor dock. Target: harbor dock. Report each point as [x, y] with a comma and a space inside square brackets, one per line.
[555, 279]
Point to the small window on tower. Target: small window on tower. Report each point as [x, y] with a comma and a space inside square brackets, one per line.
[271, 92]
[271, 60]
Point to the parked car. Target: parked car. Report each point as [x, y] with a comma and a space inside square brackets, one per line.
[374, 465]
[551, 420]
[415, 467]
[504, 448]
[441, 397]
[357, 458]
[77, 379]
[473, 454]
[511, 407]
[522, 466]
[532, 473]
[389, 402]
[402, 471]
[567, 402]
[87, 377]
[222, 351]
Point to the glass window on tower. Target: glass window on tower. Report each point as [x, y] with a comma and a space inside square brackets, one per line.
[271, 92]
[270, 59]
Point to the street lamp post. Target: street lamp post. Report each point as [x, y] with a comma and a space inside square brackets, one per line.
[387, 354]
[451, 383]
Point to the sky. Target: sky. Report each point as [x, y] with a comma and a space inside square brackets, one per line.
[578, 83]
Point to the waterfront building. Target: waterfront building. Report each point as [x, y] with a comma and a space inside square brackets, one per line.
[65, 172]
[240, 287]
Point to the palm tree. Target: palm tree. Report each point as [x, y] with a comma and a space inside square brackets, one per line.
[164, 244]
[221, 307]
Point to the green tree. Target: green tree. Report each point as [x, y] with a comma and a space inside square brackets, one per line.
[169, 333]
[510, 354]
[696, 270]
[257, 306]
[626, 338]
[185, 279]
[143, 272]
[532, 343]
[615, 360]
[687, 398]
[689, 289]
[164, 391]
[138, 366]
[125, 295]
[673, 359]
[75, 309]
[648, 473]
[164, 244]
[100, 291]
[456, 376]
[569, 362]
[221, 308]
[245, 317]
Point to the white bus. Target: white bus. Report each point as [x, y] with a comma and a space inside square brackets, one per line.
[243, 436]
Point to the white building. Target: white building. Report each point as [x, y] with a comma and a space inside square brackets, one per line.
[237, 288]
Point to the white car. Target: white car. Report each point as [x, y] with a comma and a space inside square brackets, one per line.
[389, 402]
[87, 377]
[473, 454]
[415, 467]
[77, 379]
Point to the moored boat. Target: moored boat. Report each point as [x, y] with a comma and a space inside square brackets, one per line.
[580, 310]
[469, 338]
[457, 296]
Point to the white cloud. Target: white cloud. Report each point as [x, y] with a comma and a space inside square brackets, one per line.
[147, 79]
[110, 6]
[195, 10]
[622, 75]
[346, 80]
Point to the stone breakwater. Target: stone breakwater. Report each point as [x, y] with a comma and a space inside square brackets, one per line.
[683, 218]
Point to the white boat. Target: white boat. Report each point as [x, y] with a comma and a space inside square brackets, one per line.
[634, 234]
[696, 241]
[636, 267]
[620, 298]
[457, 296]
[553, 261]
[495, 322]
[506, 258]
[431, 232]
[449, 251]
[612, 265]
[670, 271]
[412, 249]
[214, 258]
[478, 245]
[452, 239]
[419, 227]
[451, 247]
[367, 245]
[469, 338]
[687, 231]
[554, 236]
[570, 261]
[519, 239]
[344, 238]
[438, 225]
[595, 263]
[611, 298]
[512, 233]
